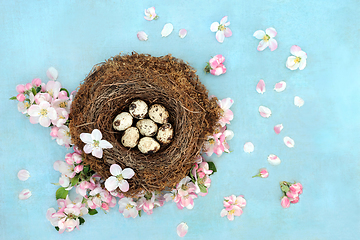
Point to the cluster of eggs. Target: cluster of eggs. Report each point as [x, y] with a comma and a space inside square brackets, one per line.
[147, 127]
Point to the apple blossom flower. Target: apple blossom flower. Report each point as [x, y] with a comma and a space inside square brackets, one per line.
[149, 201]
[36, 82]
[226, 114]
[215, 65]
[94, 144]
[23, 175]
[263, 173]
[53, 88]
[42, 113]
[118, 178]
[97, 197]
[230, 212]
[221, 29]
[62, 102]
[298, 60]
[186, 192]
[40, 97]
[267, 39]
[63, 137]
[20, 97]
[64, 168]
[20, 88]
[128, 208]
[285, 203]
[25, 105]
[296, 188]
[150, 14]
[62, 117]
[213, 145]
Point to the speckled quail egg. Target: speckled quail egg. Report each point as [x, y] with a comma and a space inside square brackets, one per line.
[147, 127]
[131, 137]
[159, 114]
[122, 121]
[148, 145]
[138, 109]
[165, 133]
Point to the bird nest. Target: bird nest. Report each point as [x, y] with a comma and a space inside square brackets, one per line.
[109, 89]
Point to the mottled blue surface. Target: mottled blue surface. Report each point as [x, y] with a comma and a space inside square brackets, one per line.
[72, 36]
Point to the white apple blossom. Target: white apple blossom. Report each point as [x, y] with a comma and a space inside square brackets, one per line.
[118, 178]
[94, 144]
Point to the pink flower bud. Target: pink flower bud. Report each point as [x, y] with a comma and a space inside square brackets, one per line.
[43, 87]
[20, 97]
[296, 188]
[20, 88]
[264, 173]
[63, 95]
[54, 132]
[291, 194]
[28, 86]
[78, 168]
[69, 159]
[36, 82]
[285, 203]
[77, 158]
[295, 200]
[105, 206]
[77, 150]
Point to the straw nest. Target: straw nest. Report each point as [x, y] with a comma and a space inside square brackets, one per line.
[109, 89]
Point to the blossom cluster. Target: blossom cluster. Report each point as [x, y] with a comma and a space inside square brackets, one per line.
[215, 65]
[291, 192]
[47, 104]
[217, 142]
[233, 206]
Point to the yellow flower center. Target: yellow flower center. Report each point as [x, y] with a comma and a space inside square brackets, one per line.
[96, 143]
[297, 60]
[221, 28]
[120, 177]
[62, 117]
[266, 38]
[231, 212]
[211, 141]
[27, 105]
[43, 112]
[184, 187]
[68, 134]
[51, 92]
[129, 206]
[63, 105]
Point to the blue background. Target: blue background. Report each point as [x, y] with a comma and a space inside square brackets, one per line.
[72, 36]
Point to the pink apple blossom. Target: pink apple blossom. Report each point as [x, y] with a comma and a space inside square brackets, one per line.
[63, 136]
[230, 212]
[36, 82]
[62, 117]
[118, 178]
[226, 114]
[296, 188]
[221, 29]
[186, 192]
[42, 113]
[20, 88]
[298, 60]
[40, 97]
[128, 208]
[53, 88]
[20, 97]
[215, 65]
[94, 144]
[267, 39]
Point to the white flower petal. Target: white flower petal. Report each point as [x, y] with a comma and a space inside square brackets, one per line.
[274, 160]
[228, 134]
[220, 36]
[128, 173]
[52, 73]
[249, 147]
[278, 128]
[182, 33]
[168, 28]
[115, 170]
[289, 142]
[260, 87]
[97, 152]
[302, 64]
[111, 183]
[298, 101]
[264, 111]
[96, 135]
[224, 20]
[280, 86]
[259, 34]
[124, 186]
[182, 229]
[105, 144]
[88, 148]
[23, 175]
[57, 164]
[86, 138]
[214, 26]
[64, 181]
[142, 36]
[25, 194]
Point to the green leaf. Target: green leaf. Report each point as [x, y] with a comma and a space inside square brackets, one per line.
[86, 169]
[38, 89]
[192, 176]
[61, 193]
[74, 180]
[212, 167]
[81, 220]
[202, 188]
[33, 91]
[63, 89]
[92, 211]
[57, 228]
[139, 213]
[13, 98]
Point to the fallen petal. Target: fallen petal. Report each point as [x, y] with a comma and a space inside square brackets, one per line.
[280, 86]
[264, 111]
[260, 87]
[24, 194]
[168, 28]
[274, 160]
[23, 175]
[52, 73]
[278, 128]
[182, 229]
[248, 147]
[298, 101]
[289, 142]
[182, 33]
[142, 36]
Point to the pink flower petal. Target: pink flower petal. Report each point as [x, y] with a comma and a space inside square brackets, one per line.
[260, 87]
[289, 142]
[278, 128]
[182, 229]
[298, 101]
[271, 32]
[295, 49]
[52, 73]
[273, 44]
[274, 160]
[264, 111]
[224, 20]
[249, 147]
[25, 194]
[182, 33]
[167, 29]
[280, 86]
[23, 175]
[142, 36]
[227, 32]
